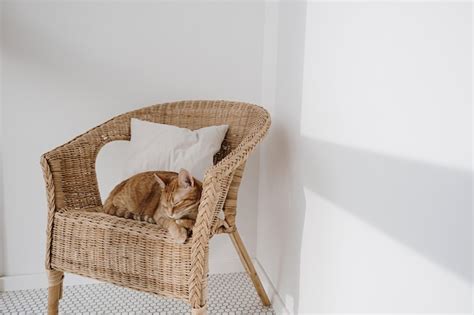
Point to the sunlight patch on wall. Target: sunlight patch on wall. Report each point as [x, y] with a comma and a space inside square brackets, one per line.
[378, 79]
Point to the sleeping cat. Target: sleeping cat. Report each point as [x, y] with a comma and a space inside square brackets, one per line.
[168, 199]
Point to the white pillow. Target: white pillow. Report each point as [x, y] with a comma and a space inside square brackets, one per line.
[119, 160]
[162, 147]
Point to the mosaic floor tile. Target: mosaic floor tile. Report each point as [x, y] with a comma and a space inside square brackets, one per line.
[229, 294]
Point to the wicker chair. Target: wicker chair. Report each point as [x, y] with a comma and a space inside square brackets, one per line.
[81, 239]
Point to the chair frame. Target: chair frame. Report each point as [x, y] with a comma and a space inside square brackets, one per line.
[75, 207]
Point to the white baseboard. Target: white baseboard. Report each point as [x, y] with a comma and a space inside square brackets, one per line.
[39, 280]
[277, 303]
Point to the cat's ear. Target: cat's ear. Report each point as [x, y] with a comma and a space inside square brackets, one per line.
[185, 179]
[160, 181]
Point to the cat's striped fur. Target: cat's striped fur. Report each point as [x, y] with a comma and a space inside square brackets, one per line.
[168, 199]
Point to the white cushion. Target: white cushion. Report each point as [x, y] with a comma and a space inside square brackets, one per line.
[157, 147]
[169, 148]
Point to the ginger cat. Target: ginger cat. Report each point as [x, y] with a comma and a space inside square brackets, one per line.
[168, 199]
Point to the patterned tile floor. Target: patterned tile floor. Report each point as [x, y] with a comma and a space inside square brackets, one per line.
[231, 293]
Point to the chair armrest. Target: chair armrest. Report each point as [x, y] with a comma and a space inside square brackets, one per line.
[69, 170]
[200, 240]
[215, 186]
[239, 155]
[218, 177]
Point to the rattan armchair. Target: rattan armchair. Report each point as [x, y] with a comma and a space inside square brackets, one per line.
[81, 239]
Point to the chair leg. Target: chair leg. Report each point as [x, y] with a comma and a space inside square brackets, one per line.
[247, 262]
[61, 290]
[55, 289]
[199, 311]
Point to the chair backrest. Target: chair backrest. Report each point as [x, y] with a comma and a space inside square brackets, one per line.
[199, 114]
[241, 118]
[70, 168]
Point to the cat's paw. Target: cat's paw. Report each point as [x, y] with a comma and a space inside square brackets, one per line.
[128, 215]
[187, 223]
[179, 233]
[148, 219]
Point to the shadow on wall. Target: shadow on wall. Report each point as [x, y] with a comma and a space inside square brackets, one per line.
[2, 209]
[285, 209]
[424, 206]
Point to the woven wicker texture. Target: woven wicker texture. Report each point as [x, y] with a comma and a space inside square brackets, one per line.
[83, 240]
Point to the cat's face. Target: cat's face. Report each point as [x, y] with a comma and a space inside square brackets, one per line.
[181, 196]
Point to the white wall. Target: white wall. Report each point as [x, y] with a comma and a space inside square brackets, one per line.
[366, 174]
[365, 179]
[1, 160]
[70, 66]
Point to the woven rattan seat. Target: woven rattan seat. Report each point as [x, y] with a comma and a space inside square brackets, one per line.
[81, 239]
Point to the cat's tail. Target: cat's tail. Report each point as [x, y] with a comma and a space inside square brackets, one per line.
[109, 206]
